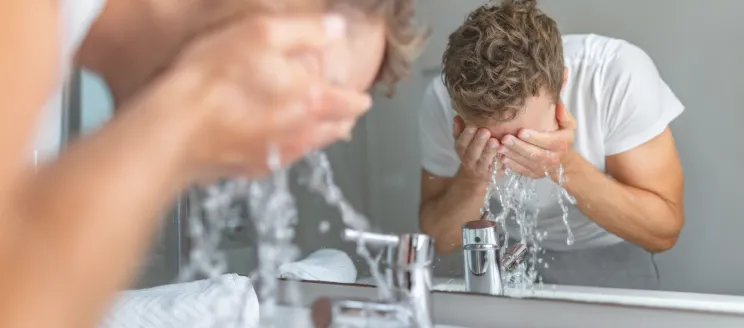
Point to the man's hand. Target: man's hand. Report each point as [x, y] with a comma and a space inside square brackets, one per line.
[538, 154]
[238, 91]
[476, 149]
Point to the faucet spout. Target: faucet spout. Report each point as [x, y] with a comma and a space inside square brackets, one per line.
[407, 272]
[484, 267]
[481, 251]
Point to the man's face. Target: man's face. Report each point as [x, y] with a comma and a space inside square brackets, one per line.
[355, 62]
[537, 114]
[367, 37]
[363, 51]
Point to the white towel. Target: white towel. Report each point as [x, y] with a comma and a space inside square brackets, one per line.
[323, 265]
[210, 303]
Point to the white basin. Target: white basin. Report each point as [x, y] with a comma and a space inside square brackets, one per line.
[289, 317]
[648, 298]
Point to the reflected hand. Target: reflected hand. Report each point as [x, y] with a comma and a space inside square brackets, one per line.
[537, 154]
[476, 149]
[238, 91]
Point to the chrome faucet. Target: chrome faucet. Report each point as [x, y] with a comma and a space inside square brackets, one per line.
[407, 274]
[482, 256]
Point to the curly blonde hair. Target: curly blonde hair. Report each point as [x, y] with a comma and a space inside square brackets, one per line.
[499, 57]
[405, 39]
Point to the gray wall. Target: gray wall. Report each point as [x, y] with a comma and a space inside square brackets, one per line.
[696, 45]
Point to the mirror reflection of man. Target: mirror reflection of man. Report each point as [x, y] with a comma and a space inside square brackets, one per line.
[514, 89]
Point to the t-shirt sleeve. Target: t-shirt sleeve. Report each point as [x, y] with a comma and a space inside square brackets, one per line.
[640, 105]
[438, 154]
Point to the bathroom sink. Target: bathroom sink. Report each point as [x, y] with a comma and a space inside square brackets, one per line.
[296, 317]
[599, 307]
[627, 297]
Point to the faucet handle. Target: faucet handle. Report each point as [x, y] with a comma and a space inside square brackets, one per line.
[370, 238]
[514, 256]
[403, 250]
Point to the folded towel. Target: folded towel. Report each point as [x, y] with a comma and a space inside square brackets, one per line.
[324, 265]
[217, 302]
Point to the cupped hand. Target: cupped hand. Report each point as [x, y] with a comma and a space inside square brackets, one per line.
[240, 91]
[477, 150]
[539, 154]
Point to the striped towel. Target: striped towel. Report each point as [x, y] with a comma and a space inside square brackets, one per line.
[225, 301]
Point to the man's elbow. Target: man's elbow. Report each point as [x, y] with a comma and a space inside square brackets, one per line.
[442, 242]
[669, 237]
[661, 245]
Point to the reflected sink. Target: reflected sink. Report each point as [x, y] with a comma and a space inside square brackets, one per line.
[599, 307]
[295, 317]
[632, 297]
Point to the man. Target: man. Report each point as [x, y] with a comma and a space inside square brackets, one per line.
[510, 90]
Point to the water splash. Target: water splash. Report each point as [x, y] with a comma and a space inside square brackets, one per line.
[274, 215]
[320, 180]
[562, 193]
[215, 209]
[516, 194]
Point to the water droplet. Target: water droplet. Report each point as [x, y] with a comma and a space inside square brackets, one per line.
[324, 226]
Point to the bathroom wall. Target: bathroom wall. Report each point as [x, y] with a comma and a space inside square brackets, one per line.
[698, 49]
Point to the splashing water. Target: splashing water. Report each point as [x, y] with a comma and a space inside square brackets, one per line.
[320, 180]
[515, 194]
[274, 214]
[562, 193]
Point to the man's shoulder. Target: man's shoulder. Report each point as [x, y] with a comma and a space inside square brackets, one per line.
[597, 49]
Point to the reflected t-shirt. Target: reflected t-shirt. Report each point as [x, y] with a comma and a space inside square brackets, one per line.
[619, 100]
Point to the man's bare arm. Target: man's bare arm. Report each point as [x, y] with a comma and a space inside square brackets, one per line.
[643, 204]
[87, 219]
[447, 203]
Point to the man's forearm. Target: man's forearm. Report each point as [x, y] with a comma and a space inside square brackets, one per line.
[87, 220]
[443, 215]
[638, 216]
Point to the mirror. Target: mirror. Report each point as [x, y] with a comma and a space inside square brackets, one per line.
[693, 47]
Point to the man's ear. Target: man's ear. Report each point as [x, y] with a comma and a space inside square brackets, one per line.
[458, 125]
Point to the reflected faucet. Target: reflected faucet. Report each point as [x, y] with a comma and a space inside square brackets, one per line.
[407, 273]
[484, 266]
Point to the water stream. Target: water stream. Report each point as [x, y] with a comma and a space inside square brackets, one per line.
[515, 194]
[274, 214]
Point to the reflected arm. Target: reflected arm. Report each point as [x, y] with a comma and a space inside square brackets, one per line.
[446, 204]
[643, 204]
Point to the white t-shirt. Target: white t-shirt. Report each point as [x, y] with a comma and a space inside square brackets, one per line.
[619, 101]
[77, 17]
